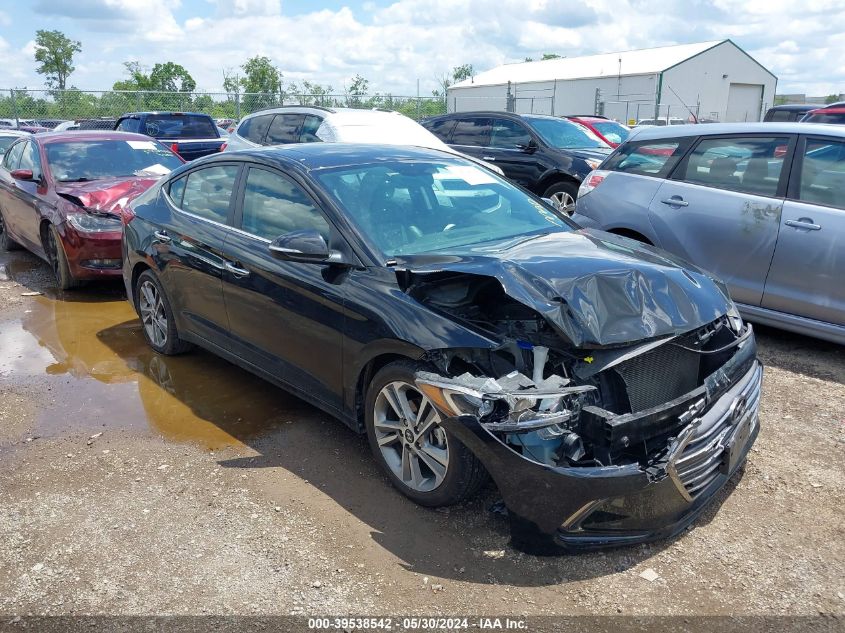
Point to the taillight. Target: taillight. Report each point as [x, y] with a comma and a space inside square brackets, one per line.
[174, 148]
[593, 180]
[223, 147]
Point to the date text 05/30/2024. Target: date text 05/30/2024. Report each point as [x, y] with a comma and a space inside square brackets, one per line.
[416, 624]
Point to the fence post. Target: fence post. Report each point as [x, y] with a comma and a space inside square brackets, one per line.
[15, 108]
[138, 100]
[238, 106]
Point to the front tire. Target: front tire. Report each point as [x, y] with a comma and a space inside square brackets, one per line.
[157, 316]
[58, 260]
[6, 242]
[423, 460]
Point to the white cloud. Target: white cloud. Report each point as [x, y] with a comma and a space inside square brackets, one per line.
[394, 45]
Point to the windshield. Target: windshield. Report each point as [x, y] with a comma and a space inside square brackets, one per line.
[612, 131]
[417, 207]
[566, 134]
[172, 126]
[76, 161]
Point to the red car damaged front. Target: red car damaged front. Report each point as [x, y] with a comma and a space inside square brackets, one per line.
[92, 223]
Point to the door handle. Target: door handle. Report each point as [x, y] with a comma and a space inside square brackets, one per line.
[675, 201]
[162, 237]
[488, 158]
[804, 223]
[236, 270]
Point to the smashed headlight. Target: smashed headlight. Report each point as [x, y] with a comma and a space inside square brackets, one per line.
[511, 404]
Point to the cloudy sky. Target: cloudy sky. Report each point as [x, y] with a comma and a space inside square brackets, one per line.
[393, 43]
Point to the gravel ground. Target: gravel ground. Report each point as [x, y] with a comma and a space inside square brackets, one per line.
[131, 486]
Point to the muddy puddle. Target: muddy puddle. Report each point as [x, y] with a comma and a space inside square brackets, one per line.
[86, 351]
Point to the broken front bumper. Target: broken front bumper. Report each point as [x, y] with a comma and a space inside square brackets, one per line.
[578, 508]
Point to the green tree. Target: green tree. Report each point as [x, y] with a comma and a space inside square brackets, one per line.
[261, 76]
[550, 56]
[54, 52]
[831, 98]
[171, 77]
[357, 88]
[464, 71]
[138, 79]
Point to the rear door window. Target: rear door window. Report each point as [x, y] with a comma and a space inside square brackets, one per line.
[508, 134]
[208, 192]
[441, 129]
[255, 128]
[472, 132]
[284, 129]
[822, 175]
[308, 133]
[648, 158]
[748, 164]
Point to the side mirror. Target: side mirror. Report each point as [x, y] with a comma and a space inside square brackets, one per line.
[530, 148]
[22, 174]
[307, 246]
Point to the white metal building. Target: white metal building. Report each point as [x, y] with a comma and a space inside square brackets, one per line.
[714, 80]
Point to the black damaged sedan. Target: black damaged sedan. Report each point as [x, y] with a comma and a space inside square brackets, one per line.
[465, 326]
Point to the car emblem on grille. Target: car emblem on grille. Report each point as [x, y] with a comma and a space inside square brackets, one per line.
[738, 410]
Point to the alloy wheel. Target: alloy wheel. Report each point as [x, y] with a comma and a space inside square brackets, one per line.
[409, 436]
[562, 199]
[153, 316]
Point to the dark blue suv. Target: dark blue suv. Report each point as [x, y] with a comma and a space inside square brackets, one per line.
[189, 134]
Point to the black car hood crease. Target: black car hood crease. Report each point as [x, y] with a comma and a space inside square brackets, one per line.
[595, 288]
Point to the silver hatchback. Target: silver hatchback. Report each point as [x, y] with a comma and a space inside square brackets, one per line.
[761, 205]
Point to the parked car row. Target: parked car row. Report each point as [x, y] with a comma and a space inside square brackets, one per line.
[467, 327]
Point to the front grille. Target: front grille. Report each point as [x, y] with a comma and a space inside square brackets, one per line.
[701, 457]
[658, 376]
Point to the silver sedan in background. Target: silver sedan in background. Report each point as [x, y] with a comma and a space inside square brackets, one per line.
[761, 205]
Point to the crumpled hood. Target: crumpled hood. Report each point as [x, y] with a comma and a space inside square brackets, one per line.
[107, 195]
[595, 288]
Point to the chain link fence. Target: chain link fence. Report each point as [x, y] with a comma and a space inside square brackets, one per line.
[23, 107]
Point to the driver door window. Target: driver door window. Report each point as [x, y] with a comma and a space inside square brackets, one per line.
[274, 205]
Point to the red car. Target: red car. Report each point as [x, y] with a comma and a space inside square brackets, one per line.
[832, 114]
[609, 131]
[62, 194]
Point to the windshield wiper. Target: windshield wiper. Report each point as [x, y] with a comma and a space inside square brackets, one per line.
[82, 179]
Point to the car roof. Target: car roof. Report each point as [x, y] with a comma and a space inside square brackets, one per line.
[18, 133]
[716, 129]
[796, 106]
[320, 155]
[90, 135]
[588, 117]
[176, 112]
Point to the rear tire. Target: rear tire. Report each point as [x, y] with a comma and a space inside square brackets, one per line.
[156, 314]
[424, 461]
[58, 260]
[6, 242]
